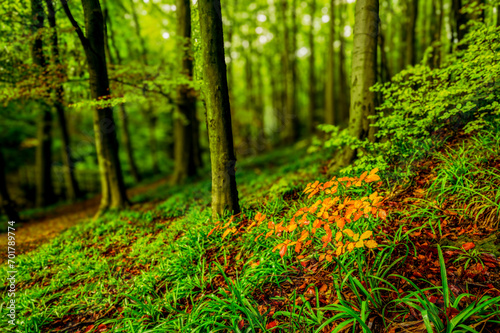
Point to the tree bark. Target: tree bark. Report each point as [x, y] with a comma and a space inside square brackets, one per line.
[112, 185]
[312, 74]
[72, 190]
[460, 19]
[385, 73]
[184, 145]
[6, 204]
[125, 133]
[149, 113]
[437, 27]
[344, 96]
[290, 121]
[44, 189]
[403, 59]
[364, 69]
[498, 16]
[410, 36]
[330, 98]
[223, 160]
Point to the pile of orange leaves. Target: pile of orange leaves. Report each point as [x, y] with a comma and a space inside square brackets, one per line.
[323, 214]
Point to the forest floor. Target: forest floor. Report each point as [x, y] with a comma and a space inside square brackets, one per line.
[311, 252]
[39, 228]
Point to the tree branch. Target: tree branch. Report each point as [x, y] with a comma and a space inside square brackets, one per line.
[79, 32]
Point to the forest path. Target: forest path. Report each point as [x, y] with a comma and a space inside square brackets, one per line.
[45, 226]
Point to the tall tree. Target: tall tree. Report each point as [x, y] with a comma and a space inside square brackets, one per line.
[44, 189]
[6, 204]
[223, 160]
[411, 33]
[460, 19]
[149, 111]
[403, 34]
[184, 141]
[344, 96]
[72, 191]
[290, 120]
[330, 98]
[112, 185]
[436, 28]
[312, 69]
[117, 60]
[364, 70]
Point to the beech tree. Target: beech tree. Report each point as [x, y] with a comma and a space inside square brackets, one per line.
[112, 186]
[223, 159]
[364, 70]
[186, 124]
[44, 189]
[330, 100]
[125, 132]
[72, 191]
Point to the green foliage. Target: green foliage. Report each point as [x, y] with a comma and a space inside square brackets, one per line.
[423, 105]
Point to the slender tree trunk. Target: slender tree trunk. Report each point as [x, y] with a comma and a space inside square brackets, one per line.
[460, 19]
[72, 191]
[364, 69]
[184, 148]
[125, 132]
[330, 100]
[344, 97]
[289, 133]
[112, 186]
[437, 27]
[149, 113]
[259, 108]
[498, 16]
[292, 102]
[403, 58]
[385, 73]
[312, 74]
[223, 160]
[127, 144]
[410, 36]
[44, 189]
[6, 204]
[152, 120]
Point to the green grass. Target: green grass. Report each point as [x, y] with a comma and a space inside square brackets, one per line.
[158, 271]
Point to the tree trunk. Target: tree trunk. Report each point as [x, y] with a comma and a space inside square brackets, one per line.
[112, 186]
[289, 132]
[149, 113]
[498, 16]
[385, 73]
[292, 96]
[260, 141]
[6, 204]
[330, 100]
[125, 136]
[152, 120]
[460, 19]
[344, 97]
[127, 144]
[44, 189]
[411, 55]
[364, 68]
[72, 191]
[403, 59]
[437, 27]
[312, 74]
[223, 160]
[184, 147]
